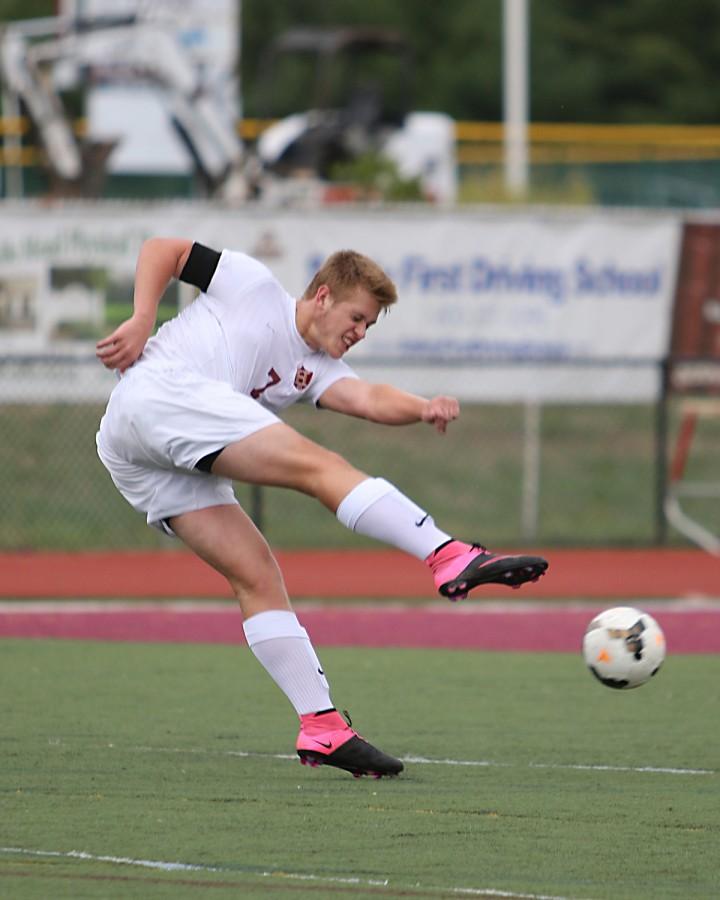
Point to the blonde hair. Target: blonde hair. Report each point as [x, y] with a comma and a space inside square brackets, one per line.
[346, 270]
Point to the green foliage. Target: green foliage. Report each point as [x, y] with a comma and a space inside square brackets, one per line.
[642, 61]
[377, 178]
[26, 9]
[572, 190]
[185, 754]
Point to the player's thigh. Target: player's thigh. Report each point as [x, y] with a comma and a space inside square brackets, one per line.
[279, 455]
[227, 539]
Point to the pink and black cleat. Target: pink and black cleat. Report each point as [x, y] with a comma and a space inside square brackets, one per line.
[458, 568]
[326, 739]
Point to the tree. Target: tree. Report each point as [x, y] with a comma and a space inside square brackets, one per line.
[640, 61]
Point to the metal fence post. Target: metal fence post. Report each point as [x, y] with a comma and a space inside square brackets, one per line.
[661, 456]
[531, 471]
[257, 505]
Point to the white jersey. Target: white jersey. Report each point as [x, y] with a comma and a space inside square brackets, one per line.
[242, 331]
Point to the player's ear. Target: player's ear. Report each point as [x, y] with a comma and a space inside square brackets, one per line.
[322, 297]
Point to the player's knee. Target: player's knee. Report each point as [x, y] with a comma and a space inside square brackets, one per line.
[259, 576]
[333, 462]
[330, 470]
[309, 471]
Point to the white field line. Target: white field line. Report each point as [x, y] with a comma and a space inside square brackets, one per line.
[119, 860]
[426, 761]
[292, 876]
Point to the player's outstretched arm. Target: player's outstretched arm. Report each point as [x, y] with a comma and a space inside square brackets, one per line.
[388, 405]
[159, 260]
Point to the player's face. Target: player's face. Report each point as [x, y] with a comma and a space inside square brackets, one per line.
[342, 322]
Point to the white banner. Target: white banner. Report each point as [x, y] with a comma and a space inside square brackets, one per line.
[516, 287]
[581, 294]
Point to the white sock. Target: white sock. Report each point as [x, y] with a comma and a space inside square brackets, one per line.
[377, 509]
[283, 647]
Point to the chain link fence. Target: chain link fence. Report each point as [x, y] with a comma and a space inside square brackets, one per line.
[505, 474]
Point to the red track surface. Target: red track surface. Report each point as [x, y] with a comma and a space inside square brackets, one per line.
[526, 627]
[609, 577]
[605, 574]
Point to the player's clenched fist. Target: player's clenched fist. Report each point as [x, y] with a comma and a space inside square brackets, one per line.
[440, 411]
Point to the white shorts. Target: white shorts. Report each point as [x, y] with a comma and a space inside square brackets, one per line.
[158, 424]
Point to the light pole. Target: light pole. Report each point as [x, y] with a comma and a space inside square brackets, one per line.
[515, 95]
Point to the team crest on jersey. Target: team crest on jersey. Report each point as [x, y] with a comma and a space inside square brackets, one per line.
[302, 378]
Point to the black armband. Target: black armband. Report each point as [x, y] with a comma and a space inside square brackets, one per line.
[200, 266]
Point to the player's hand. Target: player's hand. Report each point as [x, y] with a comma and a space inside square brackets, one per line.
[440, 411]
[120, 349]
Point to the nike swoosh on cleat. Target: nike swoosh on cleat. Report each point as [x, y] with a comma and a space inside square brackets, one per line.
[421, 522]
[323, 744]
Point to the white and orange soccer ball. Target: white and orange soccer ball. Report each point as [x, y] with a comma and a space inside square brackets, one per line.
[624, 647]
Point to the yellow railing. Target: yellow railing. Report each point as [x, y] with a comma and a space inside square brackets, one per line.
[550, 142]
[481, 143]
[20, 156]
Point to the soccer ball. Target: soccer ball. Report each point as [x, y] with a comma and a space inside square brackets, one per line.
[623, 647]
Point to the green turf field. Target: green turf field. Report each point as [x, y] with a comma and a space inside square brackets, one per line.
[119, 759]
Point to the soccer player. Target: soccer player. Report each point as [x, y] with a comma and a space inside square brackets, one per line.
[195, 409]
